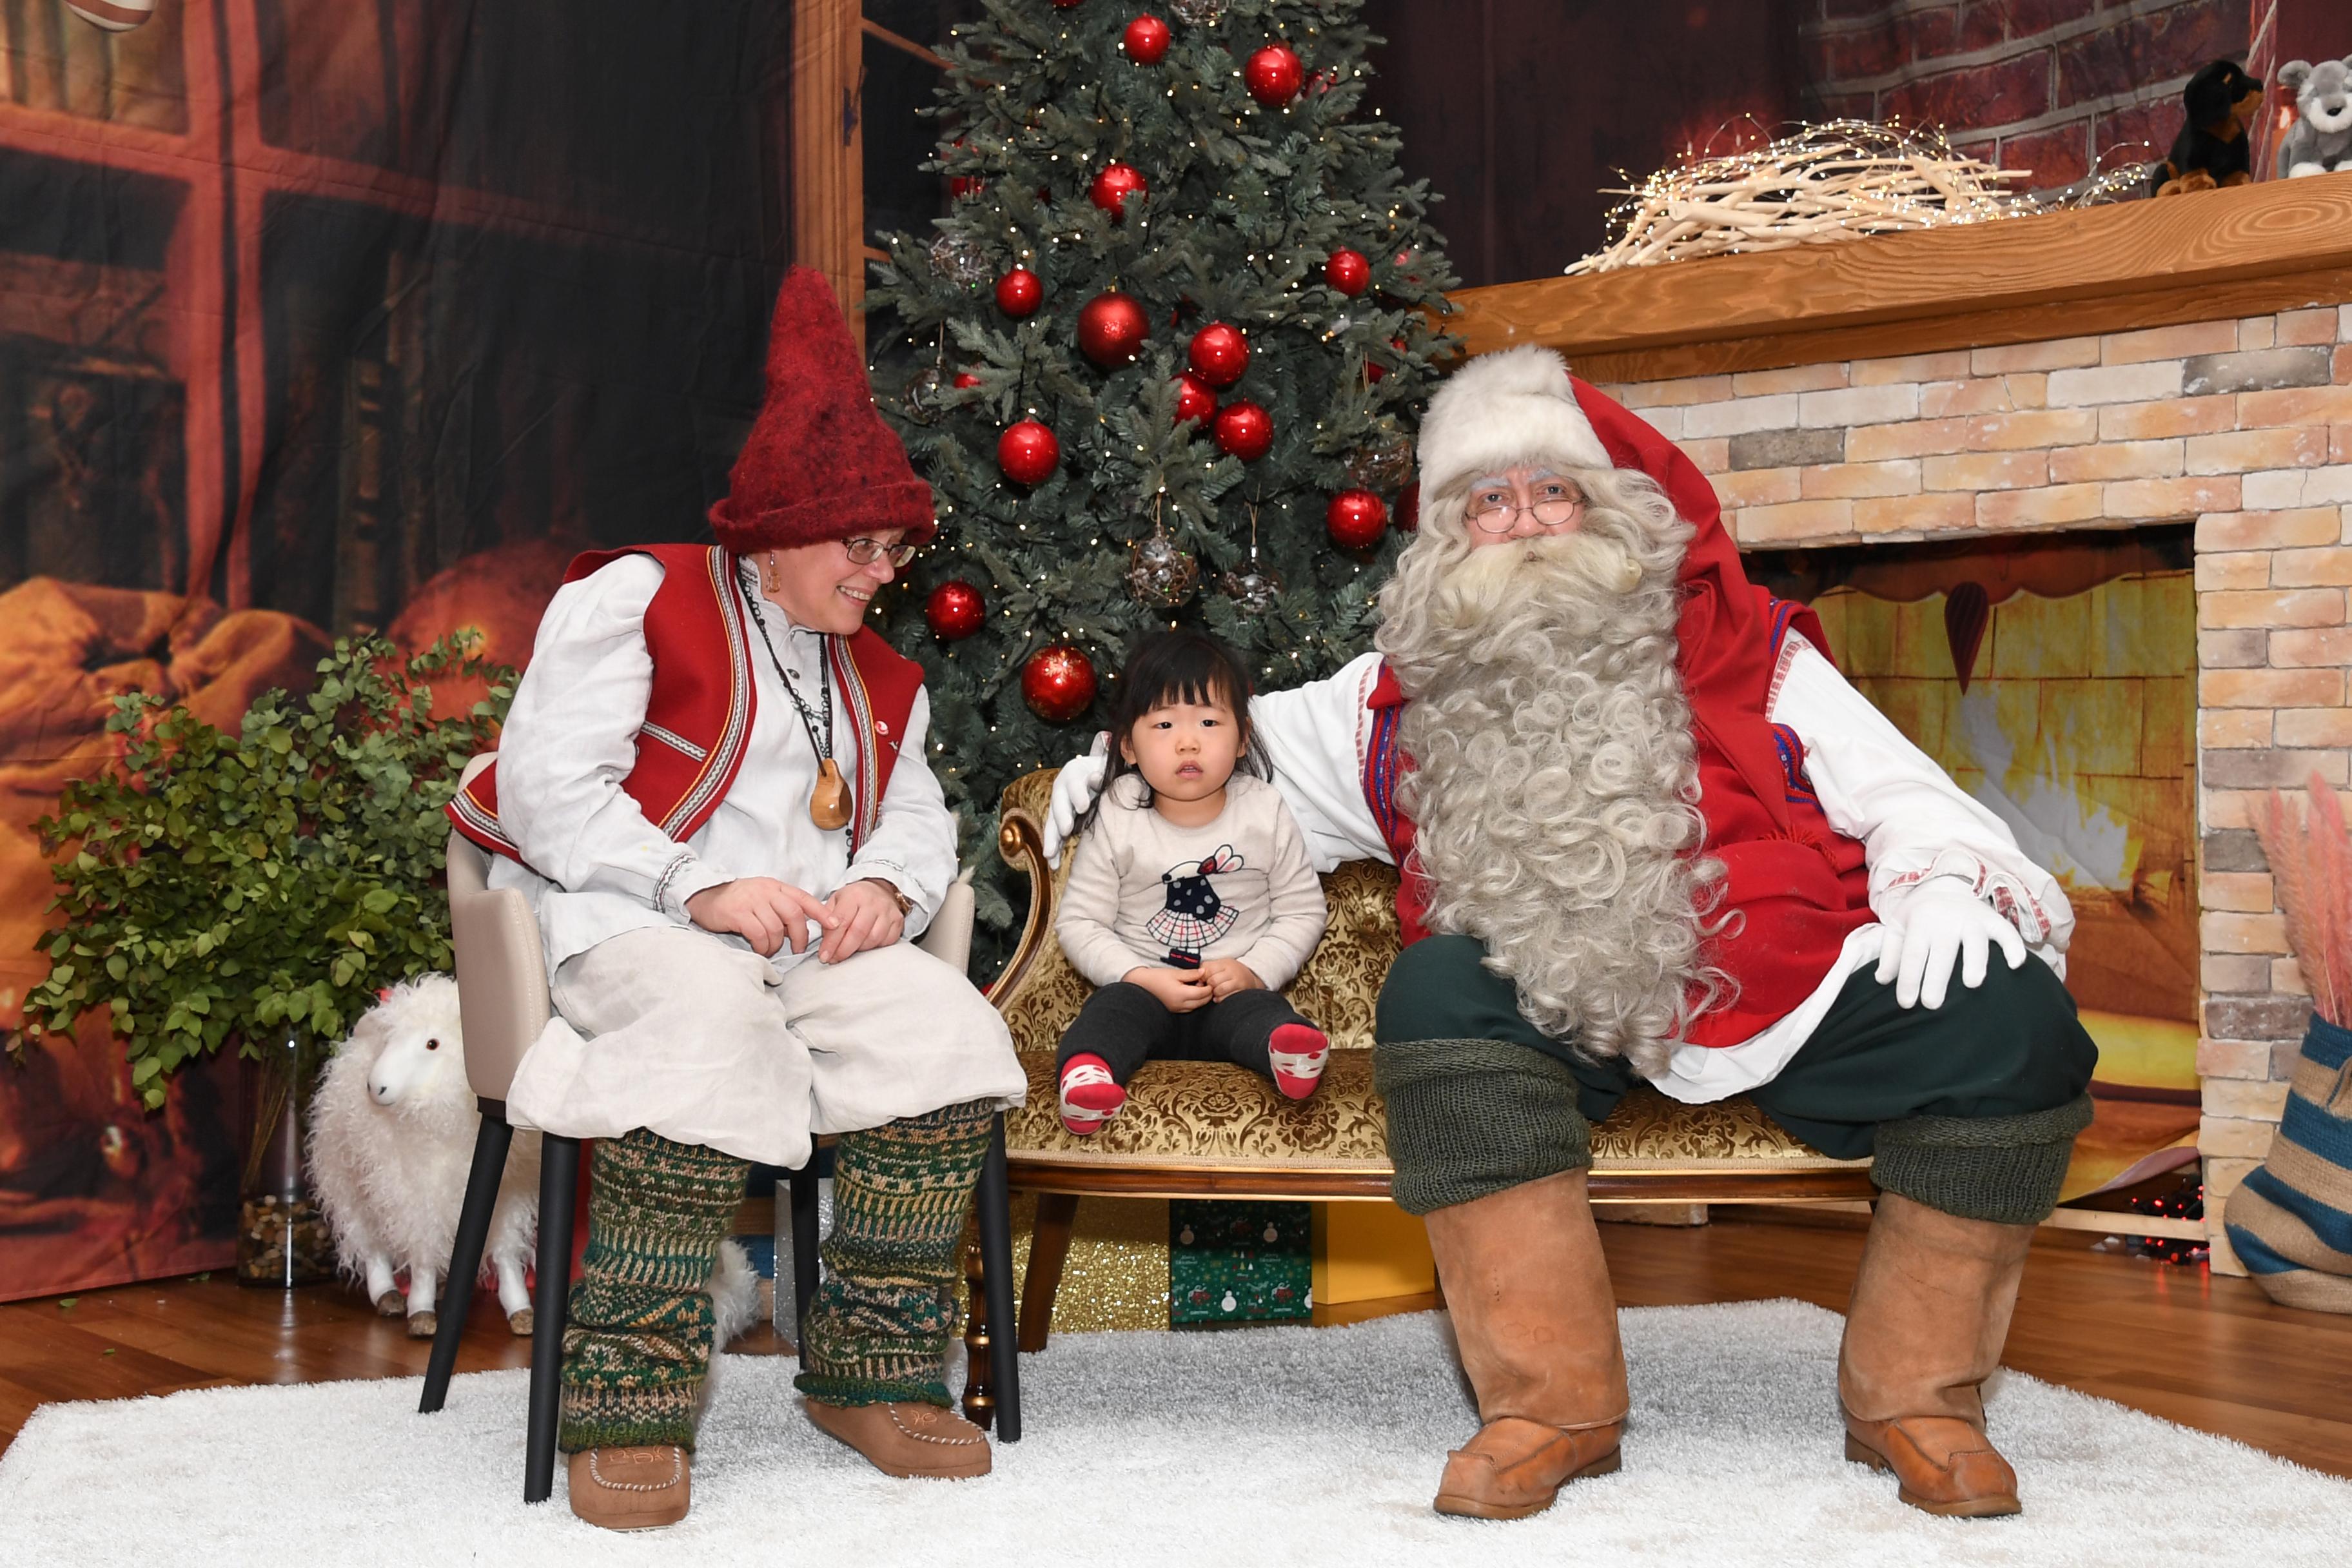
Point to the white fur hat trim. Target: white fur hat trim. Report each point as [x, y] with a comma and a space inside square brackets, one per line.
[1511, 406]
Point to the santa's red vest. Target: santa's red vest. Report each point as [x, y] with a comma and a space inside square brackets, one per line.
[698, 715]
[1798, 886]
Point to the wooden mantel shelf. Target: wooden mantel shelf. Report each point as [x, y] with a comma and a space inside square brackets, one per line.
[2216, 254]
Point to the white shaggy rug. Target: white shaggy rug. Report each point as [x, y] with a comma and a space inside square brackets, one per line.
[1266, 1447]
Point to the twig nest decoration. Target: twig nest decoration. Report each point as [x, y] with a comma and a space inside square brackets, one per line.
[1820, 184]
[1159, 574]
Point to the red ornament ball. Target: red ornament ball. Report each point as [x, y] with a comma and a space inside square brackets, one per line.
[1028, 453]
[1115, 186]
[1273, 75]
[1067, 4]
[954, 611]
[964, 378]
[1219, 354]
[1019, 292]
[1111, 329]
[1059, 683]
[1146, 40]
[1348, 272]
[1194, 398]
[1245, 430]
[1356, 519]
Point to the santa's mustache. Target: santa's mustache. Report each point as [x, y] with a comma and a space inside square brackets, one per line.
[1583, 566]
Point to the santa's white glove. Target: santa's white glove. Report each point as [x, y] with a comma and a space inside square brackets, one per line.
[1075, 788]
[1939, 922]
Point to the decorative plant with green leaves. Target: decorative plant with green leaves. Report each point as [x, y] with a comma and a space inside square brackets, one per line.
[239, 887]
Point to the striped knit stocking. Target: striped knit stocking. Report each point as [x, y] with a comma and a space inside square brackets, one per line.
[638, 1344]
[877, 1330]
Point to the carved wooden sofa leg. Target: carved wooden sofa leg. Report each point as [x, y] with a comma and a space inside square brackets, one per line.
[1049, 1249]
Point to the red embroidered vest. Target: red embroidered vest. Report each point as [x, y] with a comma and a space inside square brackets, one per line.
[699, 716]
[1798, 891]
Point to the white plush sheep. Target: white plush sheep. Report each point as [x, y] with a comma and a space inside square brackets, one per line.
[392, 1140]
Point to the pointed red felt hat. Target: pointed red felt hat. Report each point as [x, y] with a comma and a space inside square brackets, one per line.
[821, 464]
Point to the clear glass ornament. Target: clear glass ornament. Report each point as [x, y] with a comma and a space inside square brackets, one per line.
[1255, 588]
[958, 259]
[921, 400]
[1199, 13]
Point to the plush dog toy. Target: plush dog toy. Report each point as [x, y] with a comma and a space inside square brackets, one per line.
[2321, 139]
[2221, 102]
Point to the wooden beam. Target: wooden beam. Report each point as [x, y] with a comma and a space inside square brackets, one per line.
[875, 30]
[2219, 253]
[829, 149]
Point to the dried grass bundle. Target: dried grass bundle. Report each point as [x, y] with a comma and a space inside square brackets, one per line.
[2310, 876]
[1822, 183]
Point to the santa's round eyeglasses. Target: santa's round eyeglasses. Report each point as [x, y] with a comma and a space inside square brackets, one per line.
[1495, 512]
[865, 551]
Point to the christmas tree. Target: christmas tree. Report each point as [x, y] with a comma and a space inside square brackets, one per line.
[1162, 362]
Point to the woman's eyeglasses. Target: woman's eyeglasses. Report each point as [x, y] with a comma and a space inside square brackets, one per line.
[865, 551]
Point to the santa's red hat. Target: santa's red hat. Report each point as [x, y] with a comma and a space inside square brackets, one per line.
[820, 464]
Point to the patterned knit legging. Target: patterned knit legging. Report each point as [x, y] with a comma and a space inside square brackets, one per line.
[637, 1347]
[877, 1330]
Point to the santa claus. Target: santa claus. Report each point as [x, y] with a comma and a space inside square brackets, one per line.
[1647, 831]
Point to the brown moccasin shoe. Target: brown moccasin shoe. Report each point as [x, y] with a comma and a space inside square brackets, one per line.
[912, 1440]
[631, 1488]
[1513, 1468]
[1942, 1465]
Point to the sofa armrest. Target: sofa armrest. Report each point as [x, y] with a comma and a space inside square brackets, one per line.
[1021, 840]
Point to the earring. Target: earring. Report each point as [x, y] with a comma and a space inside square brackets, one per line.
[768, 571]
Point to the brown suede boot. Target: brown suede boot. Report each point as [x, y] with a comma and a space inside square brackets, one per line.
[631, 1488]
[1930, 1313]
[1528, 1291]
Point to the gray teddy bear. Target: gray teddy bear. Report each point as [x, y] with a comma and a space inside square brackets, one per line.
[2321, 139]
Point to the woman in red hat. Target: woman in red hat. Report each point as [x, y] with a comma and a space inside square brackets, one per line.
[712, 789]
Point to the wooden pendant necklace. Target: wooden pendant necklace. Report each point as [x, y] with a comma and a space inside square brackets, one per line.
[829, 802]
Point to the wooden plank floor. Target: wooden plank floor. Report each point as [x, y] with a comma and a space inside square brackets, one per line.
[2209, 1353]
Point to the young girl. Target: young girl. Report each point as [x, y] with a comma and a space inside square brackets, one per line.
[1190, 902]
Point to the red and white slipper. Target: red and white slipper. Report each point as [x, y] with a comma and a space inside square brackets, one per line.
[1090, 1096]
[1298, 1052]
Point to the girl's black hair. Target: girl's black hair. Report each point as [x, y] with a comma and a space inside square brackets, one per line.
[1164, 666]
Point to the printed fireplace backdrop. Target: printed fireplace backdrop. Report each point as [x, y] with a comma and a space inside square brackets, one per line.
[318, 315]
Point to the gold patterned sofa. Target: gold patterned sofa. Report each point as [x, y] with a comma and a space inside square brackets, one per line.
[1213, 1129]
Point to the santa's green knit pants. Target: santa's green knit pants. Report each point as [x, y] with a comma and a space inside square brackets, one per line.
[1971, 1108]
[638, 1344]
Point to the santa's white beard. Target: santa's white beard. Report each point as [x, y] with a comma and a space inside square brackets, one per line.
[1554, 778]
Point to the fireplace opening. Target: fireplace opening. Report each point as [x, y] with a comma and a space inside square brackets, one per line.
[2054, 678]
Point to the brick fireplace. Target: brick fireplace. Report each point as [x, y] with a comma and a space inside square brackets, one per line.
[2064, 379]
